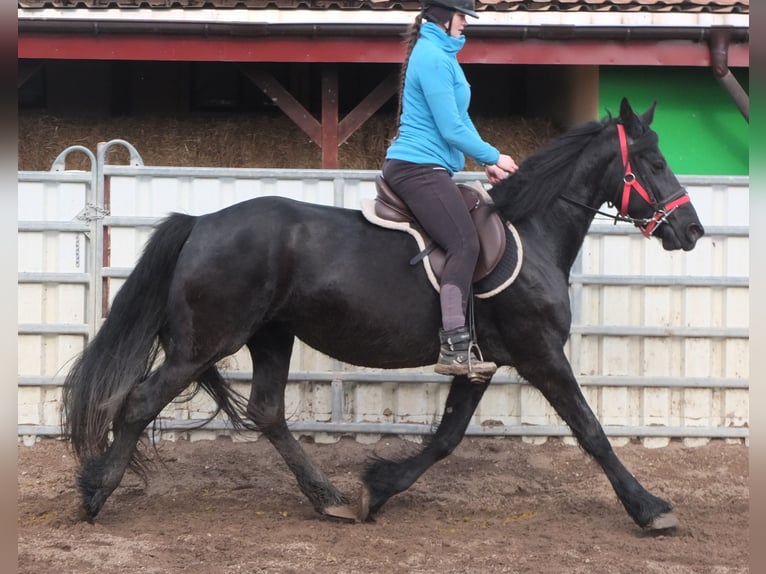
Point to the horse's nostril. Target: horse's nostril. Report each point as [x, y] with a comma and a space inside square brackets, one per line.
[696, 231]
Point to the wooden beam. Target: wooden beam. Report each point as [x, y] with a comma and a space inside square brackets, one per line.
[330, 116]
[285, 101]
[171, 47]
[26, 69]
[368, 106]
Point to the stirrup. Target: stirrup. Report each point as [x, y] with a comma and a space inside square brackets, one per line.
[479, 370]
[465, 363]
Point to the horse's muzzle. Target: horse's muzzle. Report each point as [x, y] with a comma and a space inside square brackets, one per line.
[680, 237]
[693, 232]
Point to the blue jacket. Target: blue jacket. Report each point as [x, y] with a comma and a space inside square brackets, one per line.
[435, 126]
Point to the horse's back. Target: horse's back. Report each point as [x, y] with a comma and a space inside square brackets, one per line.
[278, 212]
[262, 236]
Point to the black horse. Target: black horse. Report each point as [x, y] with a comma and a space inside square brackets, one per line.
[265, 271]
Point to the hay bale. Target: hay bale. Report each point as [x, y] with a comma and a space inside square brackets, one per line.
[269, 140]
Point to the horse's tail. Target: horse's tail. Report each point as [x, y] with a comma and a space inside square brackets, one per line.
[123, 351]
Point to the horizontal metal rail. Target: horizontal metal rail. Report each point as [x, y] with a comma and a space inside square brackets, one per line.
[125, 221]
[606, 280]
[68, 176]
[660, 280]
[710, 231]
[30, 226]
[686, 332]
[332, 174]
[131, 221]
[52, 329]
[592, 330]
[499, 379]
[421, 378]
[174, 172]
[47, 277]
[427, 429]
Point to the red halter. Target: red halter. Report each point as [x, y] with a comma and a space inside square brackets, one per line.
[631, 183]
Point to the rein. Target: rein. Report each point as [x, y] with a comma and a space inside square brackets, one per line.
[630, 183]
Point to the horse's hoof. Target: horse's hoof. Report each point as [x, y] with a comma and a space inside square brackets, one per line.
[84, 514]
[665, 521]
[343, 511]
[363, 511]
[90, 507]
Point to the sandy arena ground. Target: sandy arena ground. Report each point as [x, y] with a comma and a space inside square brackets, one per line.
[494, 505]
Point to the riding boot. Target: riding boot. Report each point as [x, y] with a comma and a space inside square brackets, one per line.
[457, 356]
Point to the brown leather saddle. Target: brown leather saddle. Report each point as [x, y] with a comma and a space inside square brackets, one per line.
[491, 229]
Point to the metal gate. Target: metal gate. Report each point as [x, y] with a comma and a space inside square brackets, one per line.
[659, 340]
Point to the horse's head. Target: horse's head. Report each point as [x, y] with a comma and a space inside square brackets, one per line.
[650, 194]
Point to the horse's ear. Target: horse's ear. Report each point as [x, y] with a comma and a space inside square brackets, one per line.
[626, 112]
[629, 119]
[648, 115]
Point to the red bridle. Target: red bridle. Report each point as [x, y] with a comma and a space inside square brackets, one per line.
[631, 183]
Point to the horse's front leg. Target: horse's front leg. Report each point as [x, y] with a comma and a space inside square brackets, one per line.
[560, 388]
[384, 478]
[271, 350]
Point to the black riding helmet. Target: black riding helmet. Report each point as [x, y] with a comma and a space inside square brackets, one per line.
[467, 7]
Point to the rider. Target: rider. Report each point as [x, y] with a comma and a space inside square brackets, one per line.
[435, 134]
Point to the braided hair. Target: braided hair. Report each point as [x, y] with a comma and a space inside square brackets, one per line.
[410, 38]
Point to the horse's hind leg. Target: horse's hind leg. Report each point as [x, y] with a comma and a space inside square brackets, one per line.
[385, 478]
[561, 389]
[99, 476]
[271, 349]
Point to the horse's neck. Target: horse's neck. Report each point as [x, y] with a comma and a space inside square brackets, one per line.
[566, 224]
[579, 168]
[576, 221]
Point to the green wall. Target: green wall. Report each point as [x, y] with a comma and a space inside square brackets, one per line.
[701, 130]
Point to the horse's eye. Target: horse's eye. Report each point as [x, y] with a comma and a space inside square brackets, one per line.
[659, 166]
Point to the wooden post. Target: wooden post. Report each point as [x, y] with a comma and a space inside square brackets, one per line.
[330, 116]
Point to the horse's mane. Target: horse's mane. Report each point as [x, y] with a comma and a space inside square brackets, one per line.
[545, 174]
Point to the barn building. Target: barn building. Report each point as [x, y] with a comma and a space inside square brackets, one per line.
[331, 65]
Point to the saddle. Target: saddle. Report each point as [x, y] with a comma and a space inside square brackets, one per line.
[389, 207]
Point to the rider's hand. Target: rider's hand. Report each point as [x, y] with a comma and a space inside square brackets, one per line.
[494, 174]
[504, 167]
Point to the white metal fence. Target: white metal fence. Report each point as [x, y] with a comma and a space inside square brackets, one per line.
[659, 340]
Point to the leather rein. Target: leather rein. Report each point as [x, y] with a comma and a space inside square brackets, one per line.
[630, 184]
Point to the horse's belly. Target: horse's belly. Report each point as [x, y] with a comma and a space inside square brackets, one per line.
[387, 345]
